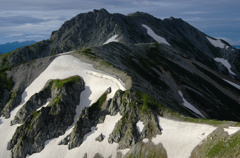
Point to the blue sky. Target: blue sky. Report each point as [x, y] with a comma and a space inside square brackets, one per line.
[22, 20]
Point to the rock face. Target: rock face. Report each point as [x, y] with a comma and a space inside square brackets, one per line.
[147, 150]
[89, 117]
[161, 71]
[5, 89]
[49, 122]
[35, 102]
[133, 106]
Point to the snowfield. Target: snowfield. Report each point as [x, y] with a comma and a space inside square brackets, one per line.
[216, 43]
[231, 130]
[233, 84]
[225, 63]
[112, 39]
[180, 138]
[156, 37]
[64, 66]
[189, 105]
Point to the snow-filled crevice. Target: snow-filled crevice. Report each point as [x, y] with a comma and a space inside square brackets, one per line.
[112, 39]
[233, 84]
[226, 64]
[156, 37]
[216, 43]
[189, 105]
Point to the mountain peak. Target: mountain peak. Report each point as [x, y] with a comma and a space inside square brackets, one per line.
[101, 11]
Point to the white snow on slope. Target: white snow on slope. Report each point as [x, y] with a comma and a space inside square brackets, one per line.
[216, 43]
[112, 39]
[140, 126]
[225, 63]
[89, 146]
[145, 140]
[189, 105]
[180, 138]
[156, 37]
[231, 130]
[62, 67]
[233, 84]
[45, 105]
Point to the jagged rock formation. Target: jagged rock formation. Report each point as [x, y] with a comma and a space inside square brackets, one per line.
[134, 106]
[89, 117]
[16, 79]
[49, 122]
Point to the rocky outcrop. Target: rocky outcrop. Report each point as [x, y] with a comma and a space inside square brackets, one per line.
[14, 100]
[100, 138]
[133, 106]
[6, 85]
[147, 150]
[35, 102]
[49, 122]
[90, 116]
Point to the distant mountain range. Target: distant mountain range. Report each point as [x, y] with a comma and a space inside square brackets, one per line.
[8, 47]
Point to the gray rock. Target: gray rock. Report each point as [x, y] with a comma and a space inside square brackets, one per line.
[147, 150]
[125, 131]
[49, 122]
[65, 140]
[100, 138]
[82, 127]
[88, 118]
[35, 102]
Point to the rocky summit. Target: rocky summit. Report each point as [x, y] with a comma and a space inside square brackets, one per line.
[113, 85]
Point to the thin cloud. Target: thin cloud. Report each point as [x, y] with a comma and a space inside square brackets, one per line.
[194, 12]
[14, 35]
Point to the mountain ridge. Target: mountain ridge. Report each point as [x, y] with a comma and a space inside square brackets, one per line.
[164, 68]
[11, 46]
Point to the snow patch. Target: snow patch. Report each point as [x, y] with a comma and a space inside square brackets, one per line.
[44, 105]
[216, 43]
[140, 126]
[180, 138]
[145, 140]
[225, 63]
[189, 105]
[233, 84]
[112, 39]
[156, 37]
[62, 67]
[231, 130]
